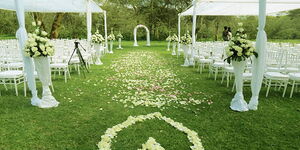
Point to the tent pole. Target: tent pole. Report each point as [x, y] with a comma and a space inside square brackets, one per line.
[28, 62]
[105, 30]
[260, 62]
[89, 23]
[179, 29]
[194, 22]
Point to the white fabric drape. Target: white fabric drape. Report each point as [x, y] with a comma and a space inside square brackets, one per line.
[22, 38]
[260, 62]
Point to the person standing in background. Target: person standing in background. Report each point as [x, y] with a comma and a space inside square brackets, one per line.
[229, 34]
[225, 34]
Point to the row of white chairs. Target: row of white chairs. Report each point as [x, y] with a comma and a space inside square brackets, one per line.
[11, 62]
[282, 69]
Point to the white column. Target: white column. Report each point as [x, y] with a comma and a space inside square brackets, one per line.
[148, 36]
[260, 62]
[193, 33]
[134, 36]
[105, 29]
[194, 22]
[28, 62]
[179, 29]
[89, 23]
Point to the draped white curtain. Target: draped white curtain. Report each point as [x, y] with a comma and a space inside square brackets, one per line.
[22, 38]
[260, 62]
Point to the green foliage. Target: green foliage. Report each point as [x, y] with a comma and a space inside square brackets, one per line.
[86, 110]
[161, 17]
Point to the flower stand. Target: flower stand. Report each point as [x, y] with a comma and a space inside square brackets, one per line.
[97, 48]
[111, 47]
[186, 50]
[238, 103]
[174, 49]
[120, 44]
[169, 44]
[43, 70]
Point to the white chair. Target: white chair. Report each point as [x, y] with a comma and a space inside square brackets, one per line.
[228, 72]
[295, 78]
[13, 77]
[276, 79]
[59, 65]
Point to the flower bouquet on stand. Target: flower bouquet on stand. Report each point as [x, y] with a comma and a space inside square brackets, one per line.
[238, 51]
[120, 37]
[174, 40]
[186, 41]
[97, 40]
[111, 39]
[39, 48]
[168, 39]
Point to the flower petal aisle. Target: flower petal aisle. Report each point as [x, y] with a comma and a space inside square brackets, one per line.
[147, 80]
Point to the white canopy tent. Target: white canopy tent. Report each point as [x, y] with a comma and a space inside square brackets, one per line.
[262, 8]
[48, 6]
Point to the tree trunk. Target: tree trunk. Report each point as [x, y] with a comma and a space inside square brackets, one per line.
[56, 25]
[37, 17]
[217, 31]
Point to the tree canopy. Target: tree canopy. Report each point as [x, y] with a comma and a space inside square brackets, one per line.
[160, 16]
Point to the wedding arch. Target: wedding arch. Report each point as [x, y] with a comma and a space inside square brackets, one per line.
[48, 6]
[135, 33]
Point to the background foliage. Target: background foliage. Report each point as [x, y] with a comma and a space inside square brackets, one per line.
[161, 18]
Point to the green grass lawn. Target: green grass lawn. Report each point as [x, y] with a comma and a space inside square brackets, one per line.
[88, 106]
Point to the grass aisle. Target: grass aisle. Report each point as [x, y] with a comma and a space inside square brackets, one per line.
[138, 81]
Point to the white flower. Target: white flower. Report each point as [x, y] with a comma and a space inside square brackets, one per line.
[33, 24]
[42, 47]
[37, 31]
[39, 23]
[27, 54]
[34, 49]
[36, 54]
[44, 33]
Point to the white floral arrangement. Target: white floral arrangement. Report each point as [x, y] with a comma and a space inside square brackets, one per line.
[168, 39]
[239, 48]
[174, 38]
[186, 39]
[97, 38]
[111, 37]
[38, 44]
[110, 133]
[119, 36]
